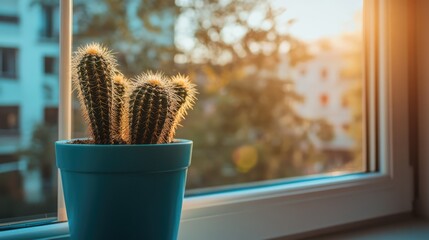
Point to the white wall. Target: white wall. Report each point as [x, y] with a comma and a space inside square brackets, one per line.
[422, 53]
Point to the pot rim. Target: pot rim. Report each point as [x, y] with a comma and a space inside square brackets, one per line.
[176, 142]
[109, 158]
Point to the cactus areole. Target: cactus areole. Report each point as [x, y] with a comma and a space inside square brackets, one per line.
[111, 179]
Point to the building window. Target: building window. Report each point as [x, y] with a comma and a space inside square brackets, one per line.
[324, 73]
[10, 184]
[9, 120]
[324, 99]
[51, 116]
[9, 19]
[48, 92]
[50, 65]
[8, 158]
[8, 62]
[49, 28]
[345, 102]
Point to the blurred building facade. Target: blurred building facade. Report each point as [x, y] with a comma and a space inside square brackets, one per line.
[322, 82]
[323, 86]
[319, 80]
[28, 83]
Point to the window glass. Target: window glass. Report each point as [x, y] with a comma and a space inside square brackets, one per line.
[8, 61]
[9, 19]
[50, 65]
[9, 118]
[49, 25]
[51, 116]
[28, 118]
[272, 76]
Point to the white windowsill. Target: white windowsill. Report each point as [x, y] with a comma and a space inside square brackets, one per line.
[236, 203]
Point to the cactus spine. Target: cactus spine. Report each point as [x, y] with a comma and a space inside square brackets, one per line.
[93, 70]
[150, 105]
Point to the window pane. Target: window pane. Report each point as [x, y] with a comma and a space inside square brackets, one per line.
[8, 62]
[28, 117]
[280, 82]
[49, 65]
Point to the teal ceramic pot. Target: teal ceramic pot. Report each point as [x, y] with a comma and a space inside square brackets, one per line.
[123, 191]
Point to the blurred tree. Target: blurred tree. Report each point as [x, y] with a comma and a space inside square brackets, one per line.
[142, 31]
[237, 50]
[41, 154]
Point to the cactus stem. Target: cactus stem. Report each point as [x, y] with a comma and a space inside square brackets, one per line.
[151, 100]
[185, 92]
[93, 68]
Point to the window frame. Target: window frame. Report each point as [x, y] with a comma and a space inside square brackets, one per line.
[303, 206]
[296, 208]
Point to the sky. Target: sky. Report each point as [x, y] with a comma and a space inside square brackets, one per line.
[316, 19]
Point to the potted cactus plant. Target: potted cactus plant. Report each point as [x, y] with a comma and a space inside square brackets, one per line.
[127, 180]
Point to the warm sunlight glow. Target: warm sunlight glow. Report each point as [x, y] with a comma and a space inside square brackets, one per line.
[316, 19]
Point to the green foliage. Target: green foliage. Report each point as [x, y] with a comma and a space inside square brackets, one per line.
[95, 24]
[117, 111]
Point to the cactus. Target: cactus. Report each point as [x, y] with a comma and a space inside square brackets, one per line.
[93, 68]
[150, 109]
[146, 110]
[185, 92]
[118, 120]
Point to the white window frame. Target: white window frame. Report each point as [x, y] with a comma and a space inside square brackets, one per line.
[296, 208]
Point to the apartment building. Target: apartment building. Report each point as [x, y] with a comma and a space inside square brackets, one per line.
[28, 82]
